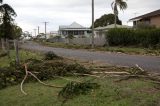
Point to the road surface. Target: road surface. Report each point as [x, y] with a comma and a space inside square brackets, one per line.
[149, 63]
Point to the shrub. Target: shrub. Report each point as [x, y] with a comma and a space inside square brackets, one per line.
[10, 77]
[130, 37]
[3, 54]
[73, 89]
[50, 56]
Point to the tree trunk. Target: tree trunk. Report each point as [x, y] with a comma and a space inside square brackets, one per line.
[7, 47]
[115, 20]
[3, 44]
[16, 46]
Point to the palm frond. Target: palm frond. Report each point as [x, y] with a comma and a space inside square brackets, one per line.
[123, 5]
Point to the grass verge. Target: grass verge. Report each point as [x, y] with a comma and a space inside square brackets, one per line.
[126, 93]
[126, 50]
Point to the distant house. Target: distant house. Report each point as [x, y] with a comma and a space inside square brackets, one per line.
[100, 32]
[74, 29]
[152, 18]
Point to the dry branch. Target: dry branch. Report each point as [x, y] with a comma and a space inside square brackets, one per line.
[27, 73]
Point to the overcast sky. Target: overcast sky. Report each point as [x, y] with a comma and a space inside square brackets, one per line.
[31, 13]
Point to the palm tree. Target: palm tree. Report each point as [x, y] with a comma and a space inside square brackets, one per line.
[122, 6]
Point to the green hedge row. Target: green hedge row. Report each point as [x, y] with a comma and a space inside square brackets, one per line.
[130, 37]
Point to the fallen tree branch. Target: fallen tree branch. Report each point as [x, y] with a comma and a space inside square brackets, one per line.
[140, 68]
[43, 82]
[119, 73]
[87, 75]
[67, 79]
[25, 65]
[27, 73]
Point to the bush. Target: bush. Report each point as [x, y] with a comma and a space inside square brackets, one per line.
[3, 54]
[73, 89]
[10, 77]
[130, 37]
[50, 56]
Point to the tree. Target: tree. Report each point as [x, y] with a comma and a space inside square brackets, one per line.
[7, 22]
[122, 6]
[106, 19]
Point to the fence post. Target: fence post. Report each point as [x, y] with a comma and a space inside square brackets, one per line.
[3, 44]
[17, 51]
[8, 48]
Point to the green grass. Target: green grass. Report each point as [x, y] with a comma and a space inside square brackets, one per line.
[126, 93]
[126, 50]
[5, 61]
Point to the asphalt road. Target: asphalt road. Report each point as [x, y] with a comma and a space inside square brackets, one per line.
[149, 63]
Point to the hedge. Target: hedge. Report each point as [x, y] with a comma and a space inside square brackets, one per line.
[131, 37]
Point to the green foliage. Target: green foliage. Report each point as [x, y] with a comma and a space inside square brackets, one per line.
[144, 26]
[50, 56]
[17, 31]
[139, 37]
[49, 69]
[3, 54]
[7, 21]
[70, 36]
[105, 20]
[9, 77]
[44, 70]
[73, 89]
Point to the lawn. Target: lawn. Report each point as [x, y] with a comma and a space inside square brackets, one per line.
[132, 92]
[125, 93]
[126, 50]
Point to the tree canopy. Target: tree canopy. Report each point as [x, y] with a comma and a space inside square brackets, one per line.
[7, 26]
[106, 19]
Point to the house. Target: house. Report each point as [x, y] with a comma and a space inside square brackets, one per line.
[100, 32]
[152, 18]
[74, 29]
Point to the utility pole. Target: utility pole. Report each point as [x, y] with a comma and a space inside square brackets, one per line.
[38, 30]
[92, 23]
[45, 23]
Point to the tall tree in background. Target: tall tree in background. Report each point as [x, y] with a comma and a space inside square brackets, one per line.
[7, 22]
[106, 19]
[121, 4]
